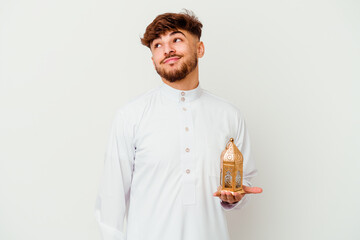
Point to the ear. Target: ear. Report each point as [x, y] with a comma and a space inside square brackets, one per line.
[200, 49]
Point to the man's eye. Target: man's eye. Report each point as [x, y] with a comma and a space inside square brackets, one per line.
[156, 45]
[177, 40]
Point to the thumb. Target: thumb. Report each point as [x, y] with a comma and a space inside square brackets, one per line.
[252, 189]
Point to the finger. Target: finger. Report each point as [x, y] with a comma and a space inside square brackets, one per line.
[239, 196]
[252, 189]
[230, 197]
[223, 196]
[217, 194]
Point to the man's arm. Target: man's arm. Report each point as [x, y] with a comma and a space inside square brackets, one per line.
[114, 190]
[231, 200]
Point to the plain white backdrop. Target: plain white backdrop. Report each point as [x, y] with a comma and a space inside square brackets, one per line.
[292, 67]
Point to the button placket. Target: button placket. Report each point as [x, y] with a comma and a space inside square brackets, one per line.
[187, 139]
[187, 153]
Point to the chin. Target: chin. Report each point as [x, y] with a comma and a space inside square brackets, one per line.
[174, 80]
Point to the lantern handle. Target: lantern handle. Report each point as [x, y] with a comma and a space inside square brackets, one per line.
[230, 140]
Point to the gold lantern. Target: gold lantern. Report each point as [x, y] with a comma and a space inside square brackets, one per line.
[231, 169]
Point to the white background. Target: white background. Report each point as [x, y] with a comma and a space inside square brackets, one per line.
[292, 67]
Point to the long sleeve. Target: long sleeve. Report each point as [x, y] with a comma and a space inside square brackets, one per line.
[242, 141]
[114, 191]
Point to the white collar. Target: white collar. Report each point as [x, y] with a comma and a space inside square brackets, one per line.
[181, 95]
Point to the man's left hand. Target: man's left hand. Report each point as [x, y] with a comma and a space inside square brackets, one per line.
[234, 197]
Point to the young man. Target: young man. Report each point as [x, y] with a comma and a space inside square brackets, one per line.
[163, 159]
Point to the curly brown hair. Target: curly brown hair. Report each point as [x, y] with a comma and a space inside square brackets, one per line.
[172, 21]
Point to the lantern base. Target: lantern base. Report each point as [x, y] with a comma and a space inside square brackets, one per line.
[231, 190]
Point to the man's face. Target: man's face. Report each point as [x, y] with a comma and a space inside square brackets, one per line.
[175, 54]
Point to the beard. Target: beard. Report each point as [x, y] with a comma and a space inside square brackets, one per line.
[178, 74]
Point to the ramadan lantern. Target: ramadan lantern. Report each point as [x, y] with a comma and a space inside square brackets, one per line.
[231, 169]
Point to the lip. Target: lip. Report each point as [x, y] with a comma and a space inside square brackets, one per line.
[171, 60]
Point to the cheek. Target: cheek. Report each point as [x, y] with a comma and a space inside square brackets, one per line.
[184, 49]
[156, 54]
[191, 51]
[156, 60]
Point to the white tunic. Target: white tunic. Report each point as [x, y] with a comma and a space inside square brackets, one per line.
[162, 167]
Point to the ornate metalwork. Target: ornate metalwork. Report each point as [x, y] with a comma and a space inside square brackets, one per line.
[231, 168]
[228, 179]
[238, 180]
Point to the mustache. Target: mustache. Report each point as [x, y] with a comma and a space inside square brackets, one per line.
[170, 56]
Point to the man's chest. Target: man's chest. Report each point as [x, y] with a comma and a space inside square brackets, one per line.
[182, 138]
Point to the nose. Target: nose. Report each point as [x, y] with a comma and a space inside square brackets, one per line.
[168, 49]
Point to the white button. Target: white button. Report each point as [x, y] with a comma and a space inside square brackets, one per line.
[184, 109]
[182, 99]
[186, 129]
[182, 94]
[187, 171]
[187, 149]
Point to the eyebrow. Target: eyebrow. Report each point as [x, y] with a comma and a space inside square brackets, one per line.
[175, 32]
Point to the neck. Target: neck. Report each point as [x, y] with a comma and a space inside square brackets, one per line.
[191, 81]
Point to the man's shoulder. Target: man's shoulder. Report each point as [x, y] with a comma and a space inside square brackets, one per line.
[138, 102]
